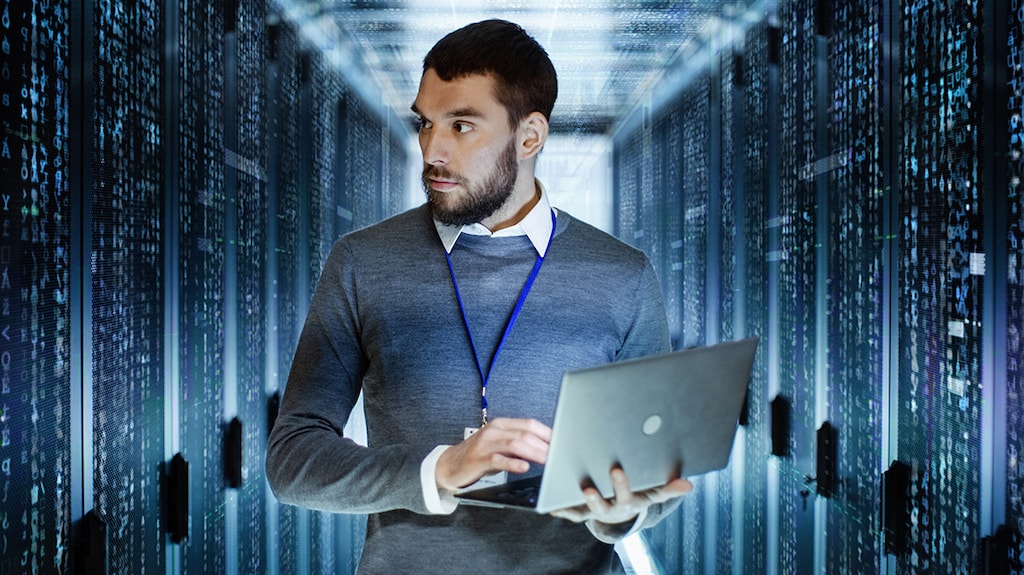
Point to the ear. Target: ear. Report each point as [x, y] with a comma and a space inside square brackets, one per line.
[532, 134]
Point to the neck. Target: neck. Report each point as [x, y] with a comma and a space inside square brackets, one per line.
[522, 200]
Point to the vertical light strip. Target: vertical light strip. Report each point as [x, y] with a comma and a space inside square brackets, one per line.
[713, 284]
[822, 95]
[79, 57]
[739, 527]
[231, 349]
[821, 217]
[995, 88]
[638, 556]
[772, 340]
[710, 527]
[171, 251]
[713, 212]
[303, 542]
[888, 161]
[739, 202]
[302, 269]
[272, 337]
[772, 518]
[305, 176]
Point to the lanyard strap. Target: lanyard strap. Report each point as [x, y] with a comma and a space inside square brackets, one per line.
[484, 377]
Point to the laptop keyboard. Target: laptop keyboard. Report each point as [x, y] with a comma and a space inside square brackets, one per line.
[524, 495]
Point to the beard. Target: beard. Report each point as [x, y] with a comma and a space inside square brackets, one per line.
[476, 201]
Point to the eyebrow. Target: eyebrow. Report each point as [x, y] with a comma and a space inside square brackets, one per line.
[465, 112]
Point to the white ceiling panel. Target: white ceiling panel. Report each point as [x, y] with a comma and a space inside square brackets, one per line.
[608, 53]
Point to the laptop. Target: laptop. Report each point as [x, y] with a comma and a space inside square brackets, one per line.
[659, 417]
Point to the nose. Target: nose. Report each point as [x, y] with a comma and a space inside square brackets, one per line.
[434, 147]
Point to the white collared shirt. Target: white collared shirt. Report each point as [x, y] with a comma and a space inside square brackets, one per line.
[536, 225]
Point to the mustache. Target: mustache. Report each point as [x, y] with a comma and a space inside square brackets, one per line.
[440, 173]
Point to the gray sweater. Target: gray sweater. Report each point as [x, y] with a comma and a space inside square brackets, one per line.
[384, 320]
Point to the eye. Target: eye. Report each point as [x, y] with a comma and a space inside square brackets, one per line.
[462, 127]
[422, 124]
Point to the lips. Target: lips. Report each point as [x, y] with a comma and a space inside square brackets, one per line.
[443, 185]
[439, 179]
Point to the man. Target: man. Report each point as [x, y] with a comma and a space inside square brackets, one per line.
[456, 320]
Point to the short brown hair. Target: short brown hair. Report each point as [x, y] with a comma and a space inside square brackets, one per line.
[525, 78]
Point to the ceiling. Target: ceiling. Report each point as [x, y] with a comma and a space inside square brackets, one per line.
[610, 55]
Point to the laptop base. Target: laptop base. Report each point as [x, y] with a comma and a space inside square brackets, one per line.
[521, 493]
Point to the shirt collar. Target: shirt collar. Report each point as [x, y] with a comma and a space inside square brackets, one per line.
[536, 226]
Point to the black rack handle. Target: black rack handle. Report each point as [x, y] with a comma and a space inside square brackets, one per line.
[177, 499]
[233, 454]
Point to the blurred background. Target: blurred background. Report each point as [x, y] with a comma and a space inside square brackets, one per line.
[839, 178]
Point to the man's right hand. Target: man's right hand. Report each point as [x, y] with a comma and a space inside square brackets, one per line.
[502, 445]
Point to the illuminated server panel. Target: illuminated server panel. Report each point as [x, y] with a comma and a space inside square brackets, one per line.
[36, 353]
[1014, 295]
[941, 274]
[246, 177]
[857, 251]
[163, 225]
[868, 228]
[126, 321]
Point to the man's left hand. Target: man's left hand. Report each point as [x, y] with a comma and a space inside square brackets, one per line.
[626, 505]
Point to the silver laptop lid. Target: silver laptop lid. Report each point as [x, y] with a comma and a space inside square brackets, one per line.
[659, 417]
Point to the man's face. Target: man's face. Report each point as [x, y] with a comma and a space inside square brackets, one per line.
[470, 163]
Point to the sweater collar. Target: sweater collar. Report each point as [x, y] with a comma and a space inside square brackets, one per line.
[536, 226]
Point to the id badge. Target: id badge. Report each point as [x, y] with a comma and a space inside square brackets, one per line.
[491, 480]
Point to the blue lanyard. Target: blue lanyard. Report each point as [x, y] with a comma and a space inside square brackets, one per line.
[484, 377]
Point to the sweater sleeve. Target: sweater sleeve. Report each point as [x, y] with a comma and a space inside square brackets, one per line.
[648, 332]
[309, 461]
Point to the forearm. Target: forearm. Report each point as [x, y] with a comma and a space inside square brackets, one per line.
[311, 465]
